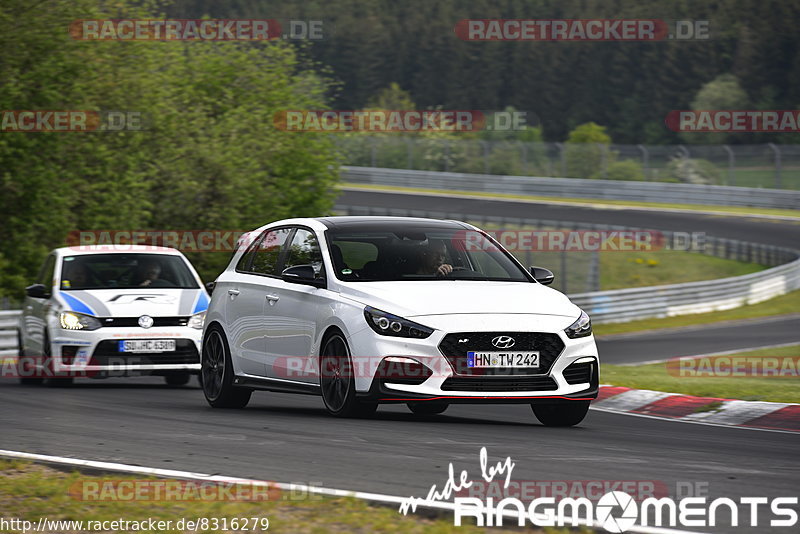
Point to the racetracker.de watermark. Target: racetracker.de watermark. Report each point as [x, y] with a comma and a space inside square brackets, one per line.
[732, 121]
[173, 490]
[581, 30]
[732, 366]
[195, 30]
[402, 120]
[579, 240]
[183, 240]
[39, 120]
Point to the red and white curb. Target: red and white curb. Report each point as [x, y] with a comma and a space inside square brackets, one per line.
[776, 416]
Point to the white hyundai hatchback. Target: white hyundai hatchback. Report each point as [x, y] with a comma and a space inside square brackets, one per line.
[112, 310]
[371, 310]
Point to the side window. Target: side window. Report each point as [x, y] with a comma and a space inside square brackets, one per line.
[268, 252]
[244, 262]
[46, 273]
[304, 250]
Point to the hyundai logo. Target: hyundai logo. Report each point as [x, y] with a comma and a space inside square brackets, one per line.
[503, 342]
[145, 321]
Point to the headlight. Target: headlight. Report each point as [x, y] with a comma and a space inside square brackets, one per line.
[197, 320]
[78, 321]
[580, 328]
[387, 324]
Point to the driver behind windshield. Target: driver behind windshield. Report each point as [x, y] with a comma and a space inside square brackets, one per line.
[432, 257]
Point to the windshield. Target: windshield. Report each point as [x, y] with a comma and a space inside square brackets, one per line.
[420, 254]
[106, 271]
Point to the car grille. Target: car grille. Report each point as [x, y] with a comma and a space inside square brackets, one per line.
[106, 353]
[578, 373]
[455, 350]
[498, 384]
[134, 321]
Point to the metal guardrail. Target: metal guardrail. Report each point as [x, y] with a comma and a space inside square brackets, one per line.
[8, 333]
[577, 188]
[620, 305]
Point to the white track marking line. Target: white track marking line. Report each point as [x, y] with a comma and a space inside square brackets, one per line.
[188, 475]
[689, 421]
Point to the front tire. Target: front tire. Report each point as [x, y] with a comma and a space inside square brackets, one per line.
[337, 382]
[567, 413]
[217, 371]
[427, 408]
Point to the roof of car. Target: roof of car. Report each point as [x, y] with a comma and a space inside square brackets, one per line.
[372, 221]
[113, 249]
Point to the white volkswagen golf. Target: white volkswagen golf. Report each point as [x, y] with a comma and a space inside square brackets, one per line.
[114, 310]
[371, 310]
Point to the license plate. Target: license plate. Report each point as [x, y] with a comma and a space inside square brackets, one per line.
[503, 359]
[147, 345]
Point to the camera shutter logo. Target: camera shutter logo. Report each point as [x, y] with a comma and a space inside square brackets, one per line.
[605, 506]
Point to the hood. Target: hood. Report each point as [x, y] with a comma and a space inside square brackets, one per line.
[418, 299]
[156, 302]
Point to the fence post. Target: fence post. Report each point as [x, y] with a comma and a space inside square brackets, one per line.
[645, 161]
[524, 150]
[486, 166]
[446, 156]
[777, 151]
[594, 272]
[563, 158]
[373, 151]
[731, 164]
[410, 152]
[684, 153]
[603, 159]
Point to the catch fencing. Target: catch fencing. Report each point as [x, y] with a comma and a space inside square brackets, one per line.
[576, 188]
[757, 165]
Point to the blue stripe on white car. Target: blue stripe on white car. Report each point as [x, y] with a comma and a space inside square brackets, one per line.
[202, 302]
[77, 305]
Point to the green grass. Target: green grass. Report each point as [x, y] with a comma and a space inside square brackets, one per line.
[789, 303]
[29, 491]
[655, 377]
[724, 210]
[639, 269]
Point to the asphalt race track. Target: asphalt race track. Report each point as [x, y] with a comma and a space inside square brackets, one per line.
[707, 339]
[291, 439]
[772, 232]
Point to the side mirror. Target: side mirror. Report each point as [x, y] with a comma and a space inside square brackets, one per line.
[210, 287]
[302, 274]
[37, 291]
[542, 275]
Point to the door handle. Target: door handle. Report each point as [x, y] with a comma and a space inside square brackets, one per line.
[273, 298]
[233, 292]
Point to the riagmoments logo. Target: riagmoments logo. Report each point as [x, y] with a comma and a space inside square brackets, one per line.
[615, 511]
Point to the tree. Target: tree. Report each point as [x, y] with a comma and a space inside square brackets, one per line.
[586, 151]
[723, 92]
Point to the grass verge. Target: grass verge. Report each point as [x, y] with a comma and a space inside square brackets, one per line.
[30, 491]
[724, 210]
[655, 377]
[785, 304]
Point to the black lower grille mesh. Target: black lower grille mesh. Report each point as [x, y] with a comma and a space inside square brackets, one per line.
[578, 373]
[106, 353]
[499, 384]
